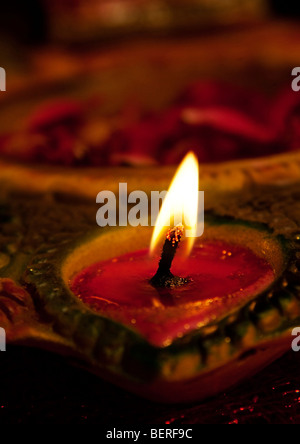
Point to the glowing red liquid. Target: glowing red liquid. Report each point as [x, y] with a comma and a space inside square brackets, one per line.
[223, 278]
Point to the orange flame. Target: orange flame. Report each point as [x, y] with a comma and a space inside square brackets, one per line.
[181, 203]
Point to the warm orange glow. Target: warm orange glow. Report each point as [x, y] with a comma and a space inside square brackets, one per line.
[181, 203]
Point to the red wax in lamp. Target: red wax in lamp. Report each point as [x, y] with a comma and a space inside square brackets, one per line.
[223, 276]
[161, 306]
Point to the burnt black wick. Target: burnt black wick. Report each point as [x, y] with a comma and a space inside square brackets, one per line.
[163, 278]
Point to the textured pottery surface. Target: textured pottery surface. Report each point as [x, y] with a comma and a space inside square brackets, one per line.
[44, 225]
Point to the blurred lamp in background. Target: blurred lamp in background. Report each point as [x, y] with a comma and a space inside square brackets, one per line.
[82, 20]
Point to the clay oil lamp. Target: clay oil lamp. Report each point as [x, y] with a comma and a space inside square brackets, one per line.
[163, 305]
[170, 327]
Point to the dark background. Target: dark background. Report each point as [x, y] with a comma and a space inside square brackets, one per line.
[26, 22]
[39, 387]
[285, 9]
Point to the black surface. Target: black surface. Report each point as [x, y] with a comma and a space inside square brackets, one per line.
[285, 9]
[40, 387]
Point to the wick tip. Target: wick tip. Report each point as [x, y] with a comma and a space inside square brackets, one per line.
[175, 233]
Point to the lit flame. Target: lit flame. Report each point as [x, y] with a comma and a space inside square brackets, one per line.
[180, 205]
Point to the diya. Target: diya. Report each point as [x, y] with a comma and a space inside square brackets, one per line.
[84, 291]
